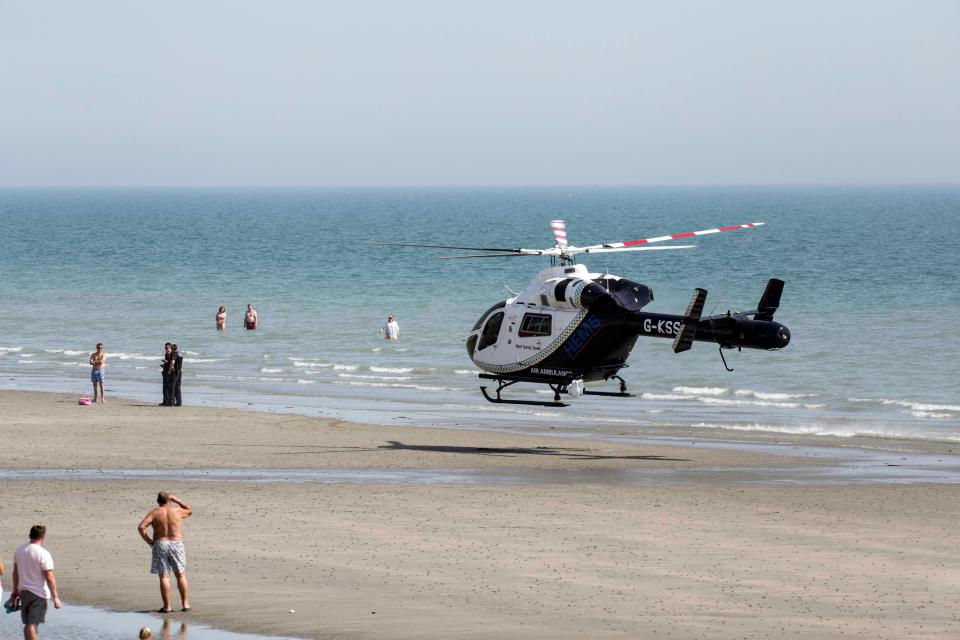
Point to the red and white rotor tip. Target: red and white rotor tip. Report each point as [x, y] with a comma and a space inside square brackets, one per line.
[559, 228]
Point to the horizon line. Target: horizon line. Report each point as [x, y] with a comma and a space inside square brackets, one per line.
[479, 185]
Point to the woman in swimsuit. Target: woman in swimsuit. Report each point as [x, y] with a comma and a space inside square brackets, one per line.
[221, 318]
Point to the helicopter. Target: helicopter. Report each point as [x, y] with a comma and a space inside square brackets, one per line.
[572, 326]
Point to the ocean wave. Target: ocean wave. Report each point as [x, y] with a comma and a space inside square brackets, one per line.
[931, 414]
[310, 364]
[665, 396]
[730, 402]
[204, 360]
[344, 367]
[26, 361]
[364, 377]
[268, 370]
[837, 431]
[130, 356]
[301, 381]
[211, 376]
[702, 391]
[769, 395]
[385, 385]
[10, 350]
[908, 404]
[66, 352]
[392, 369]
[466, 372]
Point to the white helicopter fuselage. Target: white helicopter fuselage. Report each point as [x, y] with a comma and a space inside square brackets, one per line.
[525, 330]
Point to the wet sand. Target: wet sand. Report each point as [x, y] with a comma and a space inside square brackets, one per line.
[710, 558]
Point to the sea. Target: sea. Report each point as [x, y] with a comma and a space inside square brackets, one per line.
[872, 300]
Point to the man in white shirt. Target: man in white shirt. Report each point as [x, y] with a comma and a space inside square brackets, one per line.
[391, 330]
[33, 582]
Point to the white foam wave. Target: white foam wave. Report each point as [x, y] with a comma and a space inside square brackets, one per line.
[301, 381]
[204, 360]
[74, 352]
[310, 364]
[129, 356]
[838, 431]
[48, 350]
[392, 369]
[375, 349]
[702, 391]
[769, 395]
[269, 370]
[364, 377]
[386, 385]
[344, 367]
[10, 349]
[206, 376]
[730, 402]
[466, 372]
[931, 414]
[908, 404]
[26, 361]
[665, 396]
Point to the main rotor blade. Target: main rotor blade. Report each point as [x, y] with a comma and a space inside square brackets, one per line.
[618, 249]
[488, 255]
[444, 246]
[675, 236]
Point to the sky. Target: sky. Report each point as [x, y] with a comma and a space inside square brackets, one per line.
[448, 93]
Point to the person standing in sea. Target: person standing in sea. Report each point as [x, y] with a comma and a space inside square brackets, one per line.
[250, 317]
[391, 330]
[177, 375]
[98, 360]
[222, 318]
[34, 582]
[168, 553]
[166, 370]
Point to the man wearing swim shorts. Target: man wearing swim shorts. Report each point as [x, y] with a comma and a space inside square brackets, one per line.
[98, 360]
[33, 582]
[169, 555]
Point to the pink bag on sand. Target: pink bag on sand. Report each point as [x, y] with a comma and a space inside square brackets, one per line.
[84, 400]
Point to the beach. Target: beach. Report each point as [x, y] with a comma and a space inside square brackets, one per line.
[446, 533]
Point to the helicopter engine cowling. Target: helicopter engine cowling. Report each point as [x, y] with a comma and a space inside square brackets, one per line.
[577, 293]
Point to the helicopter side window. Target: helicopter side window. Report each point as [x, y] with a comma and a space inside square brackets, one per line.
[535, 324]
[490, 331]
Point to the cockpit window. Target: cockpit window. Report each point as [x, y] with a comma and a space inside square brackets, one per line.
[535, 324]
[499, 305]
[490, 331]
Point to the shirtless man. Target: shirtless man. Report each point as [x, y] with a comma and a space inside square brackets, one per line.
[167, 542]
[98, 360]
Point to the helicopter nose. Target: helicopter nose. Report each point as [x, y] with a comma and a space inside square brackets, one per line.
[783, 337]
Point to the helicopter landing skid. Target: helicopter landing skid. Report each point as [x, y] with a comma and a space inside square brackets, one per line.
[502, 384]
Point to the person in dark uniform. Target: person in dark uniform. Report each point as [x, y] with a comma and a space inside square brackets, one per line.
[167, 369]
[177, 375]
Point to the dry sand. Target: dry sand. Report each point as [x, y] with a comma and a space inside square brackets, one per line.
[557, 560]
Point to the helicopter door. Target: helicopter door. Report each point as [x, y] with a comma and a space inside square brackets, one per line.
[491, 330]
